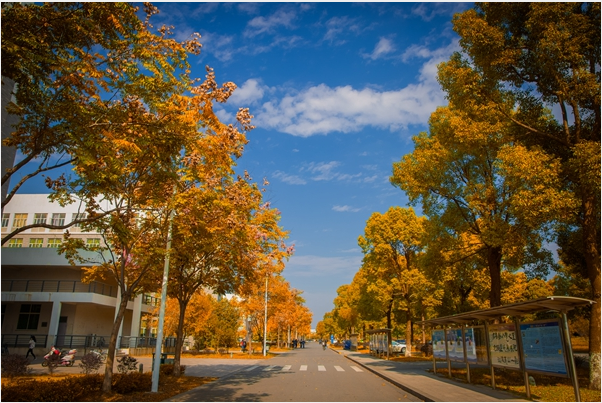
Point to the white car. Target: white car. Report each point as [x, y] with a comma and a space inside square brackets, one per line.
[398, 347]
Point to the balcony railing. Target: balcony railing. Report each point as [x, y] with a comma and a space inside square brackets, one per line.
[58, 286]
[82, 341]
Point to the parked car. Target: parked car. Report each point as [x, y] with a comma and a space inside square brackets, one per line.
[398, 347]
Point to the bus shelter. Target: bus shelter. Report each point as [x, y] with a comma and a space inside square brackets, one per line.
[380, 342]
[542, 346]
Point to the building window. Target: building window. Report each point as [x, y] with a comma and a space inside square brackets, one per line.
[93, 243]
[58, 219]
[36, 242]
[5, 219]
[39, 218]
[77, 217]
[20, 220]
[15, 243]
[53, 243]
[29, 316]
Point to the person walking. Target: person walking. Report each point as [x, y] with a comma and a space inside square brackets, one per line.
[32, 345]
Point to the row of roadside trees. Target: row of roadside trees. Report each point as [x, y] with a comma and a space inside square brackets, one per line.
[100, 90]
[508, 169]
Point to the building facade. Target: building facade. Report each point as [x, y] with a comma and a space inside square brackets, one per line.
[43, 295]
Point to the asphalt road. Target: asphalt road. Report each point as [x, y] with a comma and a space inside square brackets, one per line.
[302, 375]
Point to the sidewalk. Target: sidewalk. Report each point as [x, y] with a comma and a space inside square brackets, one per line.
[414, 378]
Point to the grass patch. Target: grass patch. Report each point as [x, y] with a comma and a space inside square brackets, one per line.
[82, 388]
[548, 388]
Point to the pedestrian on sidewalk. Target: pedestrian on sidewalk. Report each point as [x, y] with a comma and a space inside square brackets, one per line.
[32, 345]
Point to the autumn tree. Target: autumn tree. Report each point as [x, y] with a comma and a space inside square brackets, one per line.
[345, 307]
[87, 76]
[391, 244]
[456, 171]
[537, 67]
[197, 313]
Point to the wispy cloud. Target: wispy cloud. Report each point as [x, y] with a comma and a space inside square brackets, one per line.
[323, 171]
[290, 179]
[338, 26]
[428, 11]
[261, 25]
[383, 48]
[345, 209]
[320, 266]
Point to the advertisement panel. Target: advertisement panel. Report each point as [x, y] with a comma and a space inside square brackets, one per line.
[438, 337]
[542, 345]
[503, 347]
[455, 345]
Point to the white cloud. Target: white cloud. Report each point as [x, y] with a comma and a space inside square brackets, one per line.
[345, 209]
[248, 93]
[322, 109]
[383, 47]
[290, 179]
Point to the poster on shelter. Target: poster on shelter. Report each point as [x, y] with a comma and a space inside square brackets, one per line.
[542, 345]
[455, 345]
[503, 346]
[439, 344]
[471, 347]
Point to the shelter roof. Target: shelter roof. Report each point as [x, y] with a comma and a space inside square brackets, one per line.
[375, 331]
[553, 303]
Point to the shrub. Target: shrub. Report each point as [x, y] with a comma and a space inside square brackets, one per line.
[90, 362]
[126, 364]
[167, 369]
[125, 383]
[52, 362]
[71, 389]
[14, 364]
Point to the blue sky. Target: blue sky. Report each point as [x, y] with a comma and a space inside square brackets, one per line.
[337, 90]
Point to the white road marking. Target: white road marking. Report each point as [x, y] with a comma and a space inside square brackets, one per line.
[356, 369]
[251, 368]
[321, 368]
[303, 368]
[286, 368]
[269, 368]
[339, 368]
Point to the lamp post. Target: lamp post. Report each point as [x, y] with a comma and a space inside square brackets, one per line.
[157, 360]
[265, 318]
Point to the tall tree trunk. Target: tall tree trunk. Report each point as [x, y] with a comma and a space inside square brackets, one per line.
[494, 262]
[591, 236]
[422, 319]
[388, 313]
[408, 328]
[179, 337]
[108, 379]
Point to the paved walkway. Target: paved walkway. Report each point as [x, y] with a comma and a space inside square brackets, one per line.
[414, 378]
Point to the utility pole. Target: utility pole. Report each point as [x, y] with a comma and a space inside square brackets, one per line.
[157, 360]
[265, 318]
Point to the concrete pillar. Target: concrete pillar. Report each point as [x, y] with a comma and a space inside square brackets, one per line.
[136, 317]
[53, 326]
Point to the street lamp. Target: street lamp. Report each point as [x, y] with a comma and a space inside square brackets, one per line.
[157, 360]
[265, 318]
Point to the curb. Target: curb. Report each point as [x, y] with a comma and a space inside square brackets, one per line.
[391, 381]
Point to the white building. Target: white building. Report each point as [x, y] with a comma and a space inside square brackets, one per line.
[43, 295]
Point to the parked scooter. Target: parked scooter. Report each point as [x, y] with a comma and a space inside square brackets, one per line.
[66, 358]
[99, 353]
